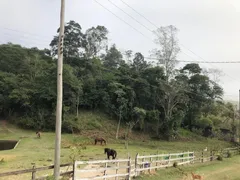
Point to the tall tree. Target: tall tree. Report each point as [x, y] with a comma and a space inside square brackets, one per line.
[113, 58]
[139, 64]
[73, 40]
[201, 92]
[95, 40]
[128, 55]
[168, 48]
[170, 96]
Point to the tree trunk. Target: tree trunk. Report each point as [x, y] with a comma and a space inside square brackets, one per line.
[77, 111]
[119, 121]
[158, 127]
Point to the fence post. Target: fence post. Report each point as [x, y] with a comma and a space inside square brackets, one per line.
[150, 163]
[105, 171]
[193, 158]
[136, 164]
[182, 156]
[202, 156]
[169, 159]
[74, 176]
[33, 172]
[211, 156]
[116, 178]
[157, 159]
[129, 168]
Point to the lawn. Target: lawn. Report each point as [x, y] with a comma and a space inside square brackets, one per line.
[41, 151]
[228, 169]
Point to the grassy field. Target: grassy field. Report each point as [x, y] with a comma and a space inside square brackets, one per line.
[228, 169]
[41, 151]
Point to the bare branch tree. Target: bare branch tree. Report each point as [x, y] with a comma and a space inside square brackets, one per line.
[168, 48]
[215, 74]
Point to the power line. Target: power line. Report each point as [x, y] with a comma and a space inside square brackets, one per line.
[179, 43]
[32, 34]
[42, 43]
[122, 20]
[201, 62]
[22, 38]
[188, 61]
[130, 16]
[139, 14]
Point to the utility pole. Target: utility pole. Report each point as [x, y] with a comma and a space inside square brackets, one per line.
[58, 125]
[238, 119]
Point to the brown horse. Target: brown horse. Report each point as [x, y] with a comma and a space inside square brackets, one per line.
[100, 140]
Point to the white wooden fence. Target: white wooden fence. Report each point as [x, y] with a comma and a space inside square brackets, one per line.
[125, 169]
[104, 169]
[143, 163]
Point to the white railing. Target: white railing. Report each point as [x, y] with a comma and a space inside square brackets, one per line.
[149, 162]
[103, 169]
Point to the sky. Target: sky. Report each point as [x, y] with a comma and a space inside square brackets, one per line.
[208, 29]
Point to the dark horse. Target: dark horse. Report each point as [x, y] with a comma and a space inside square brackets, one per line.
[100, 140]
[110, 152]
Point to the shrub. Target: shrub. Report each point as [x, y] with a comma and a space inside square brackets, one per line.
[175, 164]
[26, 122]
[219, 157]
[94, 124]
[229, 154]
[50, 177]
[71, 124]
[204, 122]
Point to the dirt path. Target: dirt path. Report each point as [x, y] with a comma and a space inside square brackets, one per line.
[3, 125]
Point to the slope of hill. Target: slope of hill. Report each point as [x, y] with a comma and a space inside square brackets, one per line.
[41, 151]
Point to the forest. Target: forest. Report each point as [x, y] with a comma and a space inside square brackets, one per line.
[150, 96]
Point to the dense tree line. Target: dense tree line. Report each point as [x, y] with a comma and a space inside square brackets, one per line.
[154, 97]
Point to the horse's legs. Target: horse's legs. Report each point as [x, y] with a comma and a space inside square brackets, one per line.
[95, 141]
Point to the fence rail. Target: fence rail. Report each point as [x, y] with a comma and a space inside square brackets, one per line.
[149, 162]
[34, 170]
[104, 172]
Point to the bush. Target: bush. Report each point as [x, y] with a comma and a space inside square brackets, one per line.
[50, 177]
[197, 131]
[205, 122]
[229, 154]
[26, 122]
[175, 164]
[219, 157]
[94, 124]
[70, 125]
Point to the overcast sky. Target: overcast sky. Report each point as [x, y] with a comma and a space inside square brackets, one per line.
[209, 28]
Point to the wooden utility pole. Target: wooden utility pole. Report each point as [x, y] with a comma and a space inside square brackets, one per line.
[59, 95]
[238, 119]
